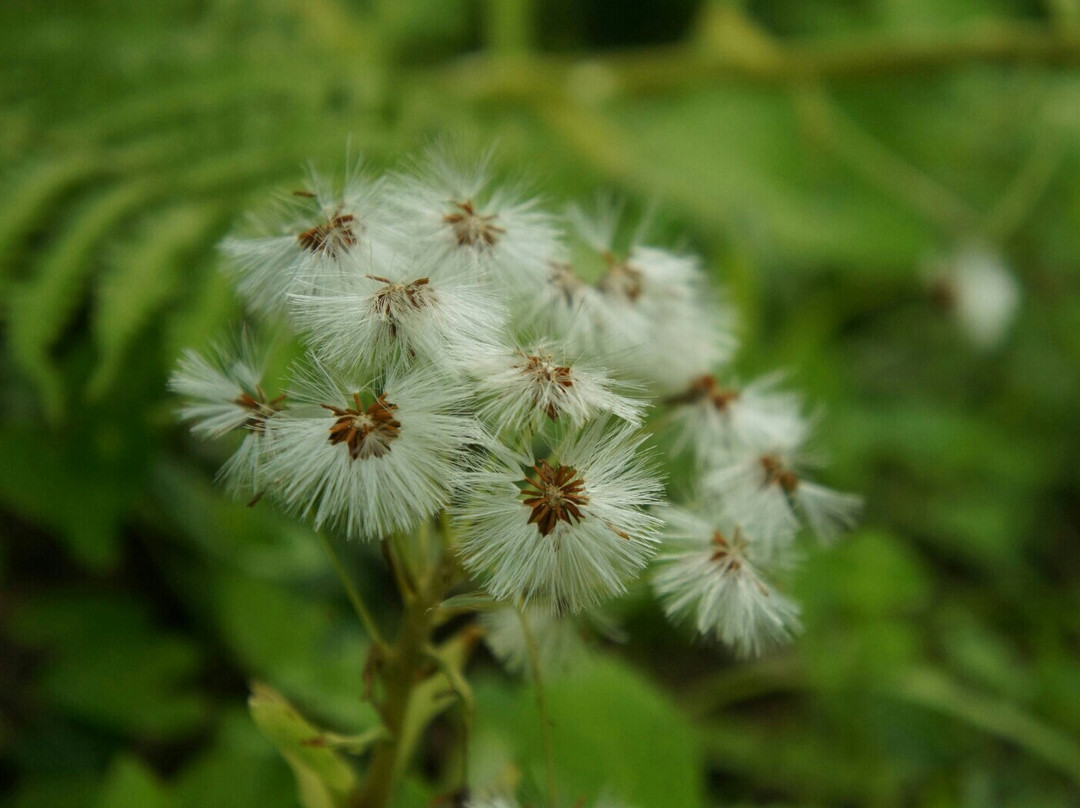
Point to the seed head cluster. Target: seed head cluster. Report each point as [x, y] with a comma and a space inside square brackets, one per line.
[468, 353]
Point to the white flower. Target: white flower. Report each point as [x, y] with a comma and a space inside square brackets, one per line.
[661, 318]
[522, 388]
[224, 393]
[980, 290]
[711, 573]
[658, 320]
[369, 461]
[715, 420]
[497, 801]
[766, 487]
[318, 229]
[450, 205]
[560, 643]
[565, 306]
[393, 313]
[568, 533]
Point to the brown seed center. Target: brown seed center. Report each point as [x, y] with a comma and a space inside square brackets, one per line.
[260, 408]
[726, 551]
[777, 473]
[472, 229]
[556, 494]
[331, 238]
[541, 369]
[621, 279]
[706, 389]
[566, 281]
[395, 299]
[368, 432]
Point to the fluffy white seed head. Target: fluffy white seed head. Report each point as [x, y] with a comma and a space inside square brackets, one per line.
[524, 388]
[452, 206]
[369, 460]
[222, 390]
[568, 533]
[314, 231]
[716, 420]
[560, 642]
[659, 315]
[768, 488]
[981, 292]
[224, 393]
[712, 572]
[394, 313]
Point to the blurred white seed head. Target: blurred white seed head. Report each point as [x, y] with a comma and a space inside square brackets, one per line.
[715, 420]
[523, 388]
[979, 289]
[560, 639]
[713, 573]
[315, 230]
[767, 487]
[396, 313]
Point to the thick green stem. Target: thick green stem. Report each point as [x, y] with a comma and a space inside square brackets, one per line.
[401, 672]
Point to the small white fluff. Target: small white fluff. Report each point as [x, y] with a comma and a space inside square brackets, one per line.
[659, 321]
[369, 461]
[448, 205]
[224, 393]
[560, 639]
[567, 533]
[315, 230]
[767, 488]
[392, 314]
[981, 291]
[662, 320]
[711, 572]
[522, 388]
[496, 801]
[223, 390]
[714, 420]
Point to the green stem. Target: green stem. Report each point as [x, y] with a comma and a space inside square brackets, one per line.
[355, 598]
[664, 69]
[401, 673]
[874, 161]
[541, 704]
[1026, 189]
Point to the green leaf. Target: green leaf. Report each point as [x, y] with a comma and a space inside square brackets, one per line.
[469, 602]
[42, 306]
[110, 666]
[277, 634]
[129, 784]
[28, 196]
[324, 779]
[613, 732]
[141, 279]
[62, 487]
[236, 767]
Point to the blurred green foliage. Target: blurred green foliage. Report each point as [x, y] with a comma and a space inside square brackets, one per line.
[816, 152]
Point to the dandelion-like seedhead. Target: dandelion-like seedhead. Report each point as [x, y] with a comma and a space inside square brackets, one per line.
[713, 572]
[566, 533]
[467, 353]
[369, 458]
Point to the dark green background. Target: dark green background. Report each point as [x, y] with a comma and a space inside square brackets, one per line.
[941, 660]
